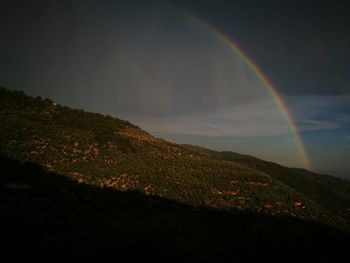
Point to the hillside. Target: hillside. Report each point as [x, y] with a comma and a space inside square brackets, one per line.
[330, 192]
[46, 216]
[87, 167]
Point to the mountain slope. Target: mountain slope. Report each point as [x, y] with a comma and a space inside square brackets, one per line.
[330, 192]
[103, 151]
[48, 216]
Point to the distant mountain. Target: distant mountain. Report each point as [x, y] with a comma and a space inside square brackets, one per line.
[70, 168]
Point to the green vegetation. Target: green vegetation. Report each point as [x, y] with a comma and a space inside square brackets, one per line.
[86, 156]
[330, 192]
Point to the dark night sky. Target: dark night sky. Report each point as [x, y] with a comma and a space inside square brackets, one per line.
[149, 62]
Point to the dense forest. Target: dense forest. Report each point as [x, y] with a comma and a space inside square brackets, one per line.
[84, 182]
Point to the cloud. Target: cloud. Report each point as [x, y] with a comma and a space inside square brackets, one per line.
[252, 119]
[313, 113]
[261, 118]
[315, 124]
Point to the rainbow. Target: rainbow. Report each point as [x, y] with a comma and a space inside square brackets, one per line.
[272, 90]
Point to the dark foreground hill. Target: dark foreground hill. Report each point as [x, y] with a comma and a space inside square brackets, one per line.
[47, 216]
[84, 183]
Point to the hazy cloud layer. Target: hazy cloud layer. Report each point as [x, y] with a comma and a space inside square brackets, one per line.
[252, 119]
[259, 119]
[312, 113]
